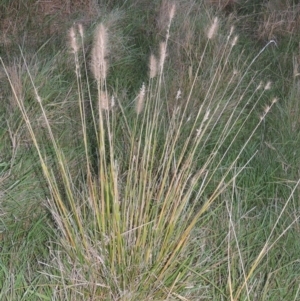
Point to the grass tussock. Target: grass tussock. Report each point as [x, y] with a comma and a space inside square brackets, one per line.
[155, 173]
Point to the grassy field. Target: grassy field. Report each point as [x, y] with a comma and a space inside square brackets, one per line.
[149, 150]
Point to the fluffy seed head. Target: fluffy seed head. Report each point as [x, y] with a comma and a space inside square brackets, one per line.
[213, 28]
[172, 12]
[268, 85]
[171, 16]
[162, 54]
[140, 100]
[234, 41]
[153, 66]
[178, 95]
[73, 40]
[104, 101]
[206, 115]
[99, 53]
[274, 100]
[80, 29]
[113, 103]
[259, 85]
[267, 109]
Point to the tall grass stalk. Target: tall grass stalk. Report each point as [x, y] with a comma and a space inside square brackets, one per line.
[126, 227]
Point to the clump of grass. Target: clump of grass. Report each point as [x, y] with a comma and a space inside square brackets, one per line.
[126, 228]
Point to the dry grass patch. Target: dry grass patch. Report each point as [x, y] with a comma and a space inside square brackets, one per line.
[33, 20]
[280, 18]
